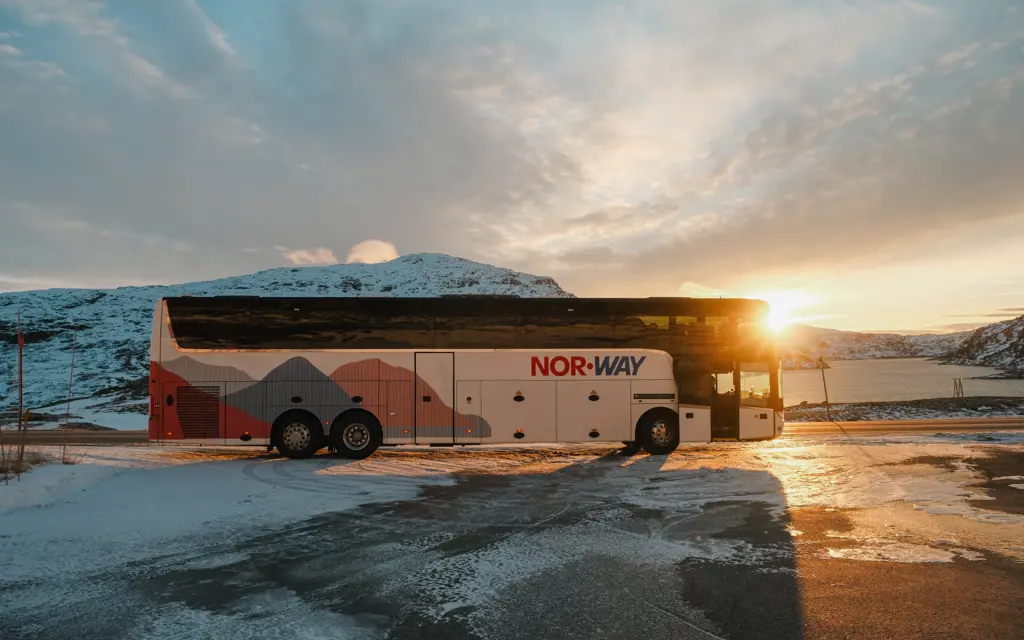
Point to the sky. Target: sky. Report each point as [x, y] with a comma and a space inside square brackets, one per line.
[858, 162]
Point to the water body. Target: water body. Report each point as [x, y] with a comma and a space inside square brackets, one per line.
[885, 380]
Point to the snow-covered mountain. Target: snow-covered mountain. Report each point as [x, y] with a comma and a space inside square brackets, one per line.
[999, 345]
[114, 325]
[803, 345]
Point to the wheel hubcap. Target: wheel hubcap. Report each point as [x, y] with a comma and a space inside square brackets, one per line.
[296, 436]
[661, 434]
[356, 436]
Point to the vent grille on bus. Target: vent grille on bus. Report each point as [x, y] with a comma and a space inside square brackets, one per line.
[199, 411]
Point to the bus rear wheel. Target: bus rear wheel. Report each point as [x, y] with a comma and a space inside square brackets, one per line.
[298, 435]
[356, 435]
[658, 432]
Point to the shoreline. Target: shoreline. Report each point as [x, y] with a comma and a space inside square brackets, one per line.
[924, 409]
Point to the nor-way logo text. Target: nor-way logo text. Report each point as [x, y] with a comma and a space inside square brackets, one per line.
[584, 366]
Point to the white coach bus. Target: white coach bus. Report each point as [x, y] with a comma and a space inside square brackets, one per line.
[354, 374]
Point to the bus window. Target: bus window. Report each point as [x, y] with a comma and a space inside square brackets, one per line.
[569, 331]
[660, 323]
[695, 386]
[477, 332]
[755, 385]
[683, 324]
[719, 325]
[724, 383]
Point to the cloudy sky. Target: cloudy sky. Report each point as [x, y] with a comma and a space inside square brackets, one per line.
[861, 161]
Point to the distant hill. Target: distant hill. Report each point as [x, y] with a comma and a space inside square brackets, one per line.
[999, 345]
[114, 324]
[803, 345]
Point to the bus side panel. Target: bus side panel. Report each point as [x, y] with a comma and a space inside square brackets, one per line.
[757, 423]
[519, 411]
[400, 414]
[694, 423]
[470, 426]
[594, 410]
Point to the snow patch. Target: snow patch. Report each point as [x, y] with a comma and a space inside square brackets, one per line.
[902, 552]
[121, 503]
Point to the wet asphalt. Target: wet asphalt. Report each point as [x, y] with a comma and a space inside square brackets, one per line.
[593, 548]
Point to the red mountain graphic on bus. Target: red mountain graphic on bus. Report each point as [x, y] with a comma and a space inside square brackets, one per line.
[225, 402]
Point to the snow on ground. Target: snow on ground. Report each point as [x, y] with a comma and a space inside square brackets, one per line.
[128, 513]
[890, 551]
[855, 473]
[132, 415]
[148, 494]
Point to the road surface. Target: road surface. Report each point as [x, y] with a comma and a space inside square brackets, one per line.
[816, 537]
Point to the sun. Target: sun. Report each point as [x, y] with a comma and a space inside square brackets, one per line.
[778, 318]
[783, 304]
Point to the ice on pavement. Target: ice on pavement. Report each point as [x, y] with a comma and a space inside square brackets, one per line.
[122, 503]
[890, 551]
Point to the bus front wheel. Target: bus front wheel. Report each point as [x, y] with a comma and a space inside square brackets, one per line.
[658, 431]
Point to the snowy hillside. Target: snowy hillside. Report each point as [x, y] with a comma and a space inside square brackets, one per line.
[802, 345]
[114, 325]
[999, 345]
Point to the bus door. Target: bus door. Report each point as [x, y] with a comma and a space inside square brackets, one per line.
[435, 398]
[757, 407]
[725, 407]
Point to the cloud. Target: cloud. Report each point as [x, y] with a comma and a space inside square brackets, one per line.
[314, 255]
[697, 290]
[959, 326]
[372, 251]
[960, 54]
[624, 147]
[1005, 314]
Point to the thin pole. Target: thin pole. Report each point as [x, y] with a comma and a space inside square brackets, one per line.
[71, 378]
[21, 391]
[828, 408]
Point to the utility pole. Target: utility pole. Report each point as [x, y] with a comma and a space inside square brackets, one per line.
[71, 378]
[21, 392]
[828, 408]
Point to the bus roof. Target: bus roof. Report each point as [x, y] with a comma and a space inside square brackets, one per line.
[473, 305]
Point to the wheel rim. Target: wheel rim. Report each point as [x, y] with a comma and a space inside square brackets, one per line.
[296, 436]
[356, 436]
[661, 434]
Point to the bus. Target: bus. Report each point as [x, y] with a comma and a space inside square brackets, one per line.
[356, 373]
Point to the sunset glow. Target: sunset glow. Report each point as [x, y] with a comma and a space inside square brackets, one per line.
[783, 305]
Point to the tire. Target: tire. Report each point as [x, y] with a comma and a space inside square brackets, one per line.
[356, 435]
[298, 435]
[631, 448]
[658, 432]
